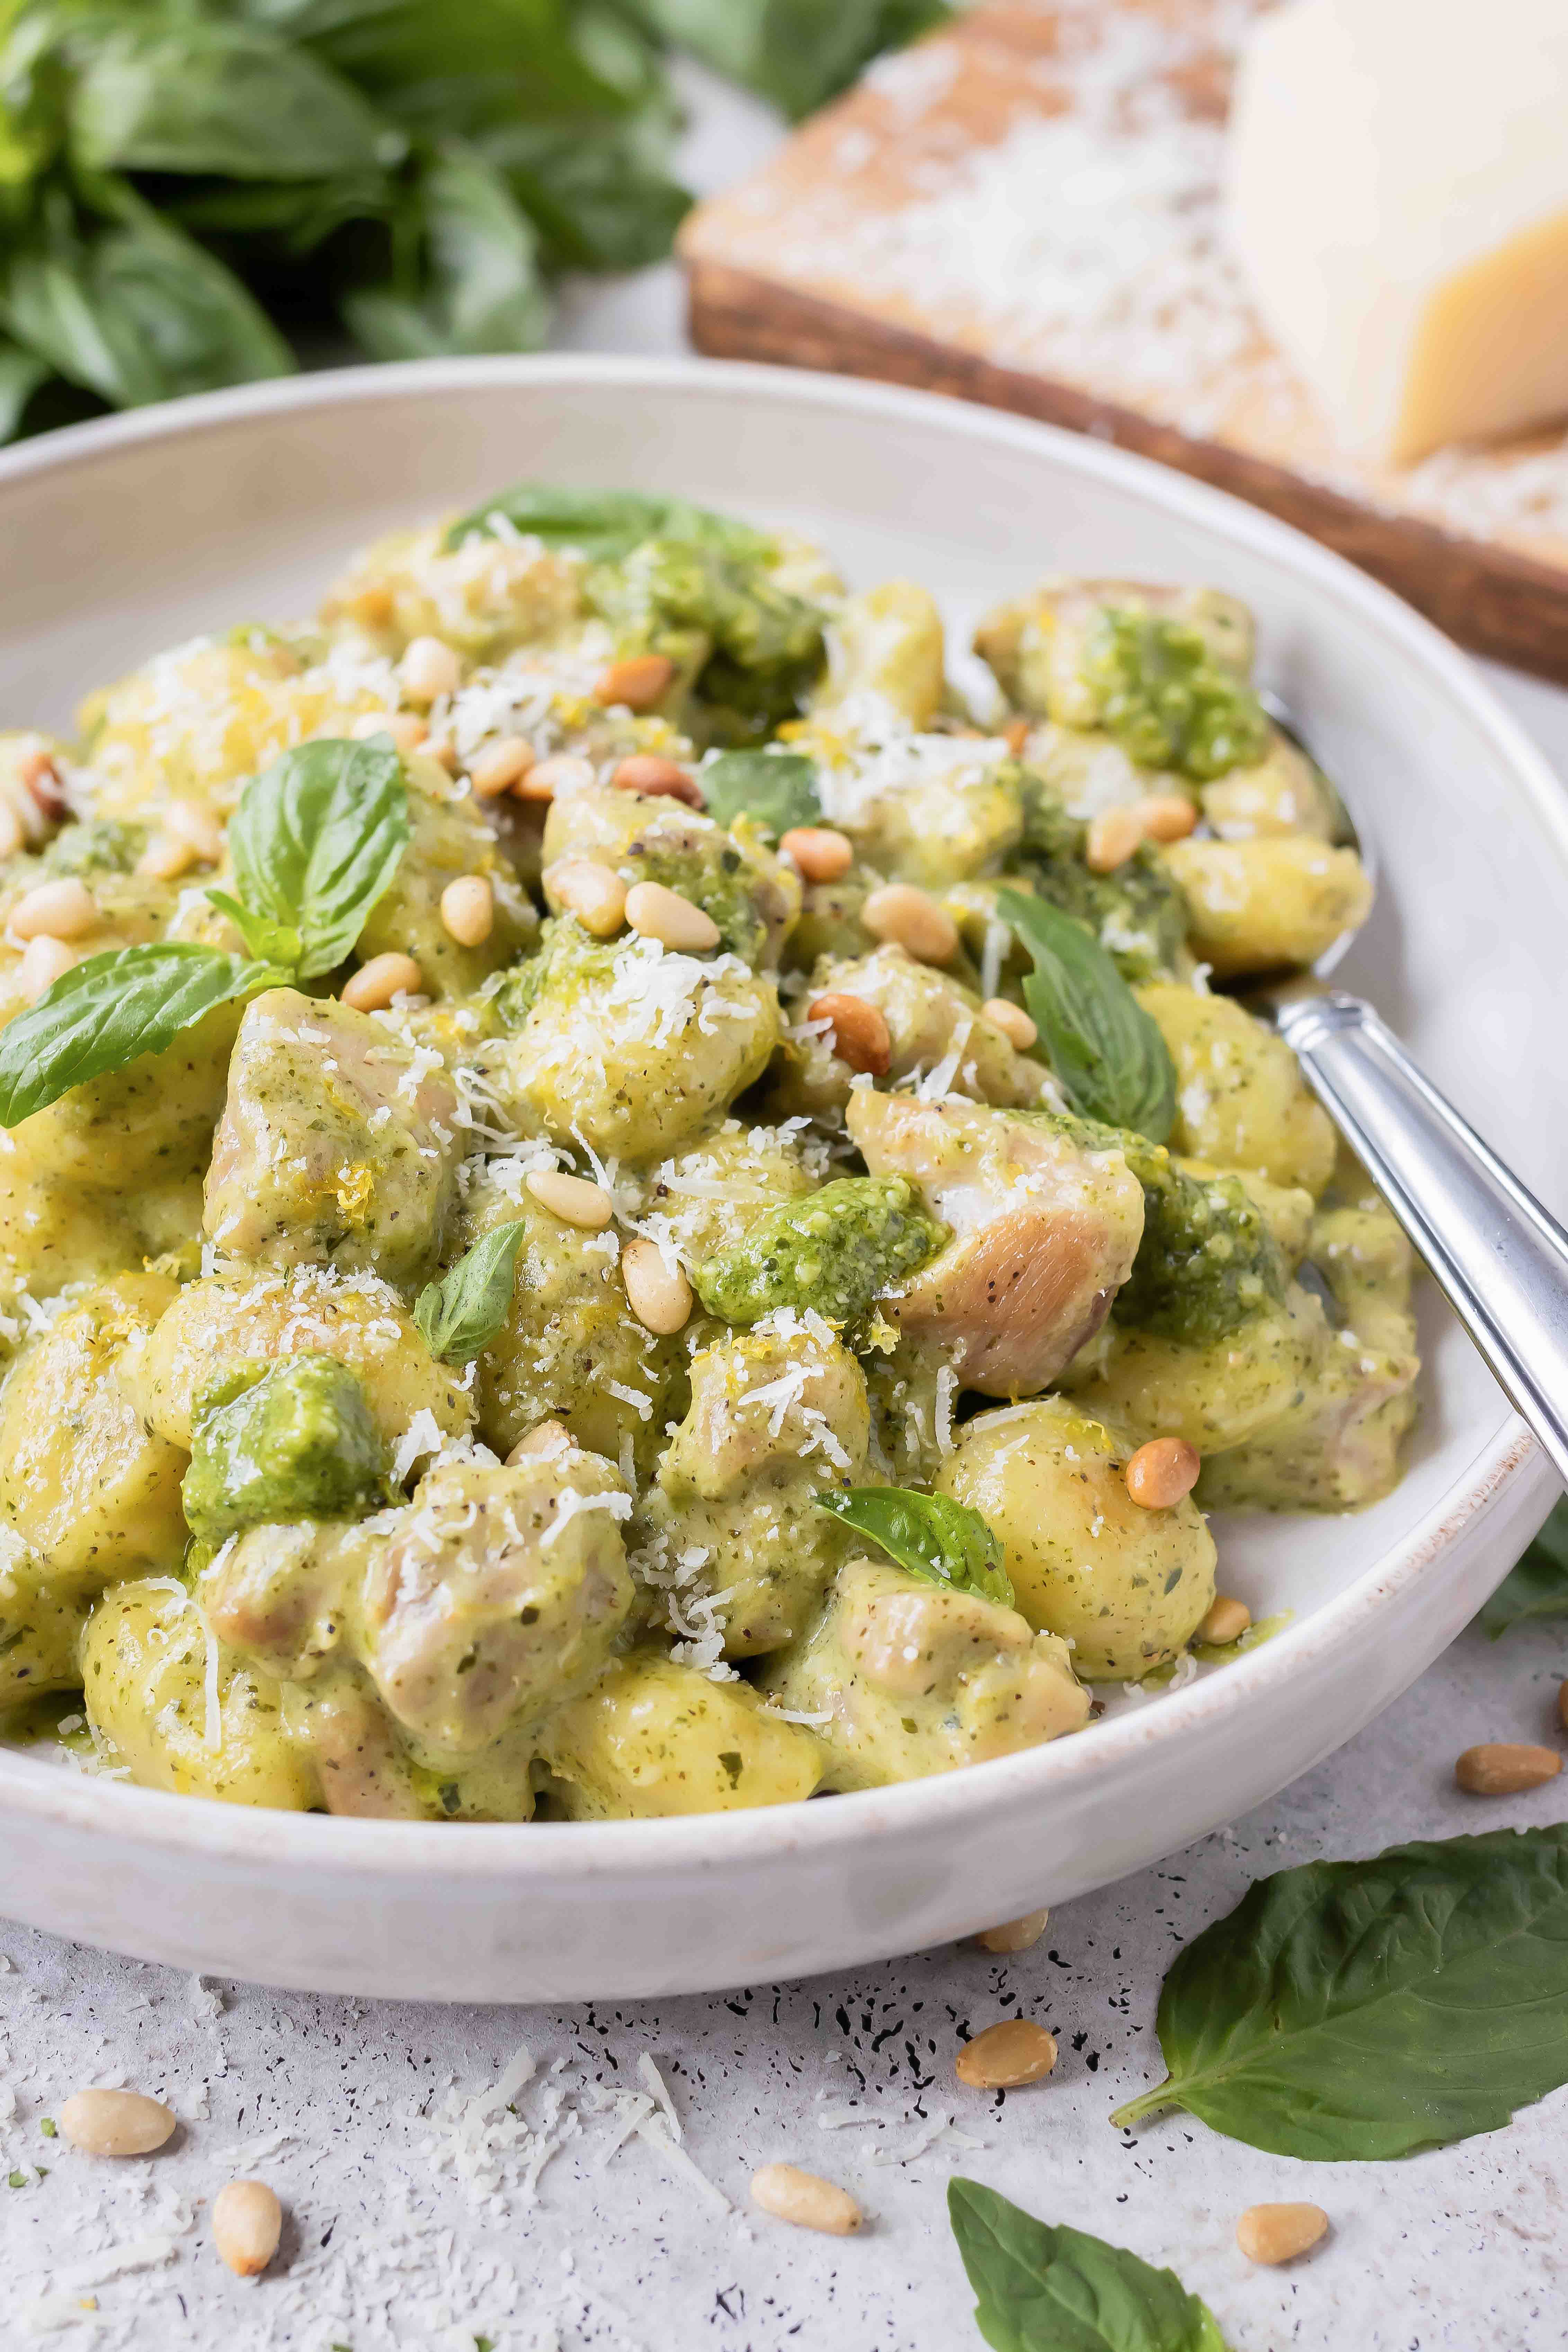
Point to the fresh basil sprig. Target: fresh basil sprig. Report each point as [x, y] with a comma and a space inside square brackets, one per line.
[1040, 2288]
[462, 1313]
[603, 524]
[1106, 1053]
[1537, 1586]
[1369, 2009]
[929, 1534]
[776, 788]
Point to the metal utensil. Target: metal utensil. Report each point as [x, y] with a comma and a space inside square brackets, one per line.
[1498, 1258]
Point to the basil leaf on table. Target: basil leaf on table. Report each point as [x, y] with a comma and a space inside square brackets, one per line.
[1040, 2288]
[1536, 1585]
[1107, 1052]
[929, 1534]
[316, 840]
[470, 279]
[461, 1314]
[1369, 2008]
[110, 1010]
[776, 788]
[603, 524]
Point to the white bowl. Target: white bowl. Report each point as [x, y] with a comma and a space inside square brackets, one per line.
[126, 536]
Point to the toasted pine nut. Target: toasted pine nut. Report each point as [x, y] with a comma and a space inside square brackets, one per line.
[115, 2123]
[372, 604]
[636, 683]
[1165, 816]
[911, 919]
[806, 2200]
[1113, 837]
[860, 1033]
[43, 960]
[247, 2222]
[821, 852]
[1226, 1621]
[1015, 1935]
[1012, 1020]
[444, 751]
[468, 909]
[663, 915]
[54, 910]
[190, 821]
[40, 780]
[1162, 1472]
[572, 1199]
[1502, 1768]
[546, 1437]
[564, 772]
[430, 668]
[650, 772]
[165, 858]
[1278, 2233]
[407, 731]
[1015, 734]
[1007, 2056]
[659, 1295]
[375, 983]
[495, 767]
[592, 892]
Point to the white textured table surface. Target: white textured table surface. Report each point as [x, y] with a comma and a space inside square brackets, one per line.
[408, 2230]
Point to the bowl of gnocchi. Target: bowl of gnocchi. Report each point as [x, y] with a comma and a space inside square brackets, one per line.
[663, 1319]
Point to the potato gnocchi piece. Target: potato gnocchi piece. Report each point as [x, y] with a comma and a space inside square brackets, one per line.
[1241, 1101]
[1269, 904]
[655, 1738]
[935, 1024]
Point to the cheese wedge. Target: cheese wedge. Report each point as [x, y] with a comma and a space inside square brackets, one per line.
[1397, 192]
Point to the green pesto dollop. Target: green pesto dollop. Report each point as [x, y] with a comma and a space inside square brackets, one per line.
[290, 1441]
[832, 1251]
[715, 877]
[1139, 913]
[1207, 1262]
[1167, 701]
[569, 957]
[98, 846]
[758, 648]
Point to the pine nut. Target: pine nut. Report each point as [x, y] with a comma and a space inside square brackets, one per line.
[548, 1437]
[430, 668]
[190, 821]
[1228, 1620]
[564, 772]
[655, 913]
[636, 683]
[373, 605]
[247, 2222]
[1278, 2233]
[1013, 1021]
[1113, 837]
[165, 859]
[1166, 816]
[656, 778]
[1007, 2056]
[43, 961]
[572, 1199]
[40, 780]
[495, 767]
[1015, 734]
[590, 891]
[657, 1294]
[375, 983]
[806, 2200]
[54, 910]
[468, 909]
[1503, 1767]
[444, 751]
[821, 852]
[407, 731]
[115, 2123]
[1162, 1472]
[1016, 1935]
[911, 919]
[860, 1033]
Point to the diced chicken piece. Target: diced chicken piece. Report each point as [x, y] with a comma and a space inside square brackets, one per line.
[1046, 1229]
[334, 1144]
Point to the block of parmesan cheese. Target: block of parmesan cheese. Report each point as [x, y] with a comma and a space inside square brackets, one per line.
[1397, 192]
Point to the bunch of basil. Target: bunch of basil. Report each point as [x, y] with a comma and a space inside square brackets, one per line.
[193, 193]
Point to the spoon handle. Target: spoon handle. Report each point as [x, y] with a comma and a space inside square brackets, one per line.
[1499, 1258]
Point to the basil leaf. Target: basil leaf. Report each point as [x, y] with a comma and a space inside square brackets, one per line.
[316, 840]
[778, 789]
[108, 1011]
[470, 279]
[1040, 2288]
[604, 524]
[461, 1314]
[796, 52]
[269, 941]
[1105, 1052]
[1537, 1586]
[1369, 2008]
[929, 1534]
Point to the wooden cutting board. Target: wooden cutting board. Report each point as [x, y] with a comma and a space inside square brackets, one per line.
[1024, 210]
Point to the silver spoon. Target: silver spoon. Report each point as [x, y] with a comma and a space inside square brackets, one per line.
[1498, 1258]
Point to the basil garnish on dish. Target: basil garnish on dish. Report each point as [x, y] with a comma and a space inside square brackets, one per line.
[603, 524]
[1369, 2009]
[929, 1534]
[775, 790]
[462, 1313]
[1045, 2288]
[1106, 1053]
